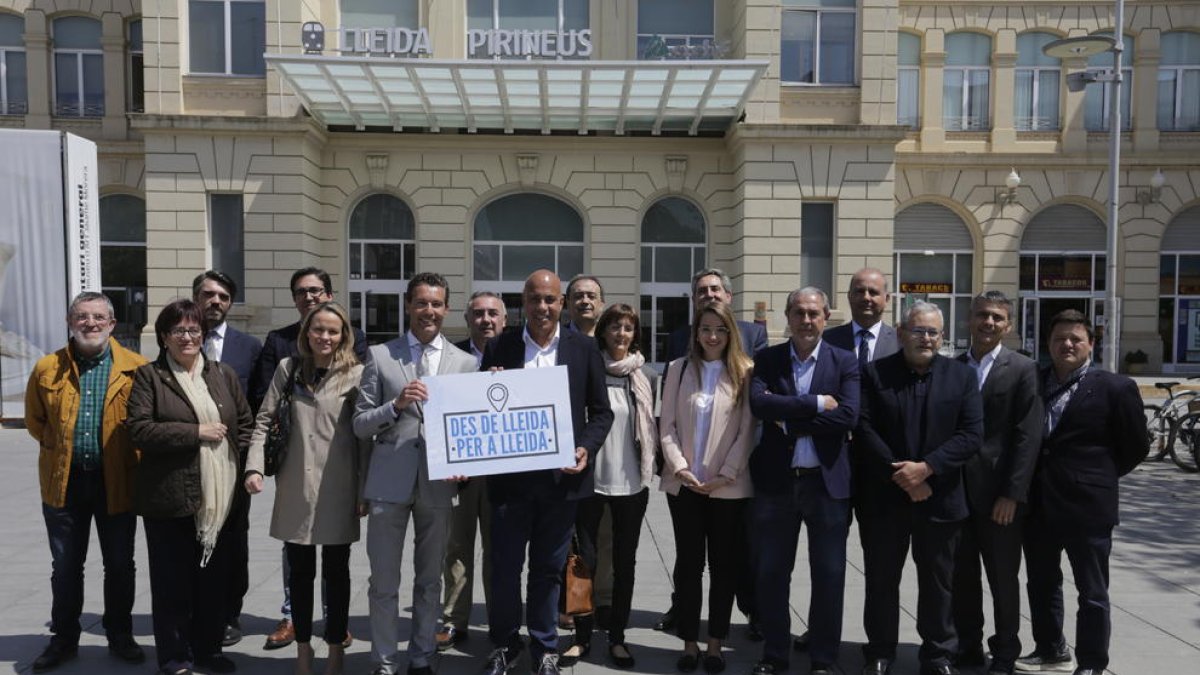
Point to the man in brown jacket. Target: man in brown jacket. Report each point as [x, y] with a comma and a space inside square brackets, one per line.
[75, 408]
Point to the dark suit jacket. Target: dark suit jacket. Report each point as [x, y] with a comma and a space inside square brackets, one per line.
[786, 416]
[1012, 433]
[843, 337]
[754, 338]
[591, 415]
[240, 352]
[279, 345]
[1100, 437]
[953, 433]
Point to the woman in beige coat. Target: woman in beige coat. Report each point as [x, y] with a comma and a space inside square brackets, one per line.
[316, 487]
[706, 430]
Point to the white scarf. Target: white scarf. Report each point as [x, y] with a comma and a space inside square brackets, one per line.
[643, 395]
[218, 463]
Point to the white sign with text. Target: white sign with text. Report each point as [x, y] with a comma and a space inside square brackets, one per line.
[481, 424]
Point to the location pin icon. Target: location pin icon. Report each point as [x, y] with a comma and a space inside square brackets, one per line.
[497, 395]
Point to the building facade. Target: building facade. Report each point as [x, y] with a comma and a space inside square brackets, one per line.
[789, 142]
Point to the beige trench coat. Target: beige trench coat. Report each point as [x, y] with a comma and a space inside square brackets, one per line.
[316, 489]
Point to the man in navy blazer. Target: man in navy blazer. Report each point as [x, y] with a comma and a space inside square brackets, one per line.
[921, 420]
[806, 392]
[868, 300]
[1094, 434]
[535, 510]
[214, 291]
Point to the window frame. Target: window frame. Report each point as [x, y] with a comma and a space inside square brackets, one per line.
[227, 6]
[78, 55]
[1177, 97]
[237, 272]
[1106, 99]
[915, 122]
[688, 39]
[820, 12]
[4, 102]
[135, 59]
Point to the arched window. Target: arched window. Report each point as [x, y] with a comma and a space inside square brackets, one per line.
[1098, 97]
[14, 89]
[382, 253]
[673, 248]
[78, 67]
[1179, 289]
[934, 261]
[123, 262]
[967, 82]
[1179, 82]
[908, 80]
[1035, 95]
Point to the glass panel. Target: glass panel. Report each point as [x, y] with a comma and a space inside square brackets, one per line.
[1105, 59]
[1166, 100]
[698, 263]
[1189, 111]
[908, 92]
[380, 14]
[1101, 271]
[137, 84]
[76, 32]
[968, 49]
[1028, 273]
[1047, 112]
[206, 28]
[1029, 49]
[135, 36]
[816, 245]
[123, 265]
[1189, 275]
[924, 271]
[529, 14]
[383, 261]
[410, 260]
[382, 217]
[837, 48]
[248, 34]
[487, 262]
[66, 85]
[570, 261]
[1065, 273]
[673, 264]
[961, 335]
[226, 237]
[977, 100]
[1094, 115]
[1180, 48]
[520, 260]
[908, 49]
[686, 17]
[1166, 275]
[647, 264]
[952, 105]
[12, 28]
[356, 258]
[796, 49]
[1166, 327]
[964, 273]
[383, 317]
[527, 216]
[575, 14]
[122, 218]
[1023, 99]
[673, 220]
[1126, 97]
[93, 85]
[18, 89]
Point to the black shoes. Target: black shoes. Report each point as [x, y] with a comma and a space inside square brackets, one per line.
[687, 662]
[753, 630]
[1035, 662]
[800, 643]
[620, 660]
[217, 663]
[566, 659]
[714, 663]
[233, 634]
[938, 669]
[55, 654]
[877, 667]
[666, 622]
[125, 648]
[821, 669]
[501, 660]
[971, 656]
[769, 668]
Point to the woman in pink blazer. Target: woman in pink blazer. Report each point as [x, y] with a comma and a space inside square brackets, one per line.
[707, 431]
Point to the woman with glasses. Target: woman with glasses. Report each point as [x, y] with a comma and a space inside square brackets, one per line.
[191, 422]
[316, 488]
[624, 467]
[706, 431]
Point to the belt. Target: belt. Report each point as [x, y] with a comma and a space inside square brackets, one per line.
[801, 471]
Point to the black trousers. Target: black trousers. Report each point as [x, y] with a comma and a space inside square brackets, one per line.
[998, 547]
[1087, 552]
[886, 534]
[239, 555]
[627, 514]
[703, 525]
[335, 573]
[188, 602]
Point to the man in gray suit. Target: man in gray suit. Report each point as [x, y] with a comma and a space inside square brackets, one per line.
[997, 482]
[397, 485]
[866, 335]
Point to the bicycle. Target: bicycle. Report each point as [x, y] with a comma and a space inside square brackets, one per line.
[1162, 421]
[1185, 440]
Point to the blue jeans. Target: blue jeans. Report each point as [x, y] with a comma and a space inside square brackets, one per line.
[69, 529]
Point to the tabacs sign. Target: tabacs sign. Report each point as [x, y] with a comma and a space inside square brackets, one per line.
[399, 41]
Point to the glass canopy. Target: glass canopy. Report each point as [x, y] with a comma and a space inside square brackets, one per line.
[618, 96]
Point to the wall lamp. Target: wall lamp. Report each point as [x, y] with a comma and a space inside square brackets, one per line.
[1151, 196]
[1008, 194]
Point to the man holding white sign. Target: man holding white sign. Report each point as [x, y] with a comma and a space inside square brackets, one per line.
[397, 484]
[537, 508]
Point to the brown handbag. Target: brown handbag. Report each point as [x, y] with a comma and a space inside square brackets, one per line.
[577, 586]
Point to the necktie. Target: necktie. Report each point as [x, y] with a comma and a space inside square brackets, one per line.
[864, 347]
[423, 361]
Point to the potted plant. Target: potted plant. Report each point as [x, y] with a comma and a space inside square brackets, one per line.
[1135, 362]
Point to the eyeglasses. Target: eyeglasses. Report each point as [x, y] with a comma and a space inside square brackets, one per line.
[314, 291]
[719, 331]
[97, 318]
[925, 332]
[179, 333]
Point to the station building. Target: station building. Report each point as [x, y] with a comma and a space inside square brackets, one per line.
[789, 142]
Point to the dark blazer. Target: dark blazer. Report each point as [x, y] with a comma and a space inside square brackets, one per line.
[953, 433]
[1012, 433]
[843, 337]
[591, 415]
[279, 345]
[1100, 437]
[240, 352]
[787, 416]
[754, 338]
[164, 426]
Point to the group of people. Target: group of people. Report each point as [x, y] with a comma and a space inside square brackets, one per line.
[975, 462]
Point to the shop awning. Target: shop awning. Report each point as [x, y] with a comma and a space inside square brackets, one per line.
[619, 96]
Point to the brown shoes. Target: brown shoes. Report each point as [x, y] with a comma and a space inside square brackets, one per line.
[449, 636]
[284, 635]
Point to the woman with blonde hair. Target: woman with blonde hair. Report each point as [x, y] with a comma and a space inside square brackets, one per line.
[316, 487]
[707, 431]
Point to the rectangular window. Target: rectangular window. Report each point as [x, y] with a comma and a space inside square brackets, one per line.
[227, 36]
[14, 89]
[1035, 100]
[676, 30]
[965, 99]
[380, 14]
[1098, 101]
[816, 246]
[226, 238]
[817, 44]
[78, 84]
[136, 77]
[1179, 99]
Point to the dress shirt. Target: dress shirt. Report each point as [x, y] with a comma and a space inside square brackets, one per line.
[804, 455]
[1058, 394]
[214, 342]
[93, 389]
[433, 358]
[702, 408]
[537, 356]
[984, 365]
[913, 397]
[873, 330]
[477, 354]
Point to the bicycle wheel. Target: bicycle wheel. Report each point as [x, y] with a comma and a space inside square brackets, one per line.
[1184, 438]
[1159, 429]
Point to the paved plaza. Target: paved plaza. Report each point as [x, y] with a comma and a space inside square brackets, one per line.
[1155, 590]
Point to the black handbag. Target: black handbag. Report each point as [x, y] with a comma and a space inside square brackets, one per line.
[275, 448]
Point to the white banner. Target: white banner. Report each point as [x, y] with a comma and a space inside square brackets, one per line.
[82, 215]
[480, 424]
